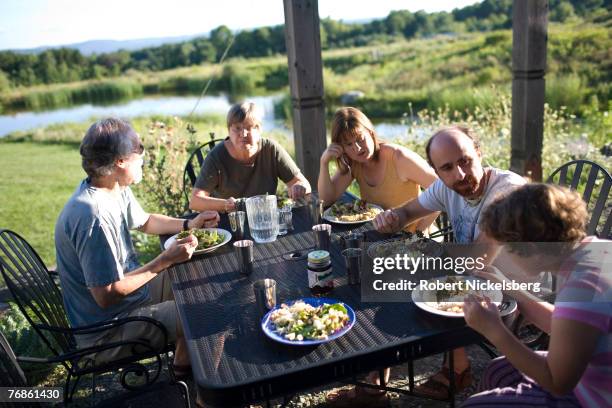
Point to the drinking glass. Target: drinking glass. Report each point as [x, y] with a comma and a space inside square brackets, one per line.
[284, 220]
[236, 219]
[352, 258]
[263, 218]
[265, 295]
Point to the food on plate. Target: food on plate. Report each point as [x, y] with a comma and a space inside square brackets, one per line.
[359, 210]
[396, 247]
[206, 238]
[458, 292]
[451, 299]
[301, 321]
[283, 200]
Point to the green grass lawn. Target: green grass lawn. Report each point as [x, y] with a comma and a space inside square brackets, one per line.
[37, 180]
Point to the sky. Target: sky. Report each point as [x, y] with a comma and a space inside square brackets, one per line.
[34, 23]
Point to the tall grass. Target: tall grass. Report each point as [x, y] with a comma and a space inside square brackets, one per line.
[96, 92]
[567, 90]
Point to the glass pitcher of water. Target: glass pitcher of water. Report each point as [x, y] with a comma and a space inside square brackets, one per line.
[263, 218]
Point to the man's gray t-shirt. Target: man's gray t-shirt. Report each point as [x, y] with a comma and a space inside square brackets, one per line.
[94, 248]
[223, 176]
[464, 216]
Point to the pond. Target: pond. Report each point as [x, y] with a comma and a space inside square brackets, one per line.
[166, 105]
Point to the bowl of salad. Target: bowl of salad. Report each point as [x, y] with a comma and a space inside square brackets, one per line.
[308, 321]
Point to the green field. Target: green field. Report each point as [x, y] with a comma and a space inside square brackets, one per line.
[37, 180]
[425, 82]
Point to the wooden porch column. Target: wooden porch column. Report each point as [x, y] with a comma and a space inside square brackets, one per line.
[303, 42]
[529, 25]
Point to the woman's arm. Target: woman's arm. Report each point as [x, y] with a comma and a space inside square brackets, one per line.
[571, 347]
[298, 187]
[202, 201]
[331, 188]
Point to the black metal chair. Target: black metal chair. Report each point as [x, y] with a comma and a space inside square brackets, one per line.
[593, 182]
[40, 300]
[194, 164]
[445, 229]
[11, 374]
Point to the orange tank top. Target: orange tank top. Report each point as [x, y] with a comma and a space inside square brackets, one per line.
[391, 192]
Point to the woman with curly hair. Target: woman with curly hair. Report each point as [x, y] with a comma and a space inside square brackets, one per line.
[542, 228]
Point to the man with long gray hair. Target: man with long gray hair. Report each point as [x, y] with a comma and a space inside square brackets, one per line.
[96, 261]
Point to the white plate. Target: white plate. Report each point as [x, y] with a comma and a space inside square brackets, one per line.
[227, 236]
[327, 216]
[270, 329]
[426, 299]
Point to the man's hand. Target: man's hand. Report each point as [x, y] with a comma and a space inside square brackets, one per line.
[296, 191]
[179, 251]
[482, 315]
[205, 219]
[387, 222]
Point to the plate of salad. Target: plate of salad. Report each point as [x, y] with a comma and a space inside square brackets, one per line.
[308, 321]
[209, 239]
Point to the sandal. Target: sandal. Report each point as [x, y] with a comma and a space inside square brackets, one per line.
[437, 386]
[357, 397]
[181, 371]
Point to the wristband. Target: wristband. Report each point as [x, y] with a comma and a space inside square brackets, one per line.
[186, 225]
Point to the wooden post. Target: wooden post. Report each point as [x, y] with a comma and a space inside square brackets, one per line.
[303, 42]
[529, 25]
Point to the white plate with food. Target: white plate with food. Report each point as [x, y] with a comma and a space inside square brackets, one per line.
[308, 321]
[209, 239]
[355, 212]
[449, 302]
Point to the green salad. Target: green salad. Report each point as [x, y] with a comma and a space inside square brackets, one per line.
[301, 321]
[206, 238]
[283, 200]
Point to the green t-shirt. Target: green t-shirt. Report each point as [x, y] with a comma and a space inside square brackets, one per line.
[223, 176]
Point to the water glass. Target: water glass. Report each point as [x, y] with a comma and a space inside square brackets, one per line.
[236, 219]
[265, 295]
[244, 253]
[353, 240]
[322, 236]
[263, 218]
[285, 222]
[316, 209]
[352, 257]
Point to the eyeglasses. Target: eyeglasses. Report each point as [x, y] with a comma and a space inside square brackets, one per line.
[240, 129]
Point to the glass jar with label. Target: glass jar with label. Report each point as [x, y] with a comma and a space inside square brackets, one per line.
[320, 273]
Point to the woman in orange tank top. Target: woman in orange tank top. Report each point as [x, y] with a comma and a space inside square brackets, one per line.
[387, 174]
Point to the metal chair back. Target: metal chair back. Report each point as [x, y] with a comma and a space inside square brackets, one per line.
[445, 229]
[34, 291]
[194, 164]
[11, 374]
[593, 182]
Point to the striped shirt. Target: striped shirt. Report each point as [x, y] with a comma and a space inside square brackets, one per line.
[586, 297]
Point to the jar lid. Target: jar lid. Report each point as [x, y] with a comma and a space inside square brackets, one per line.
[318, 257]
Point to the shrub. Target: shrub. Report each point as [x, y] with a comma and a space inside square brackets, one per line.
[238, 80]
[25, 342]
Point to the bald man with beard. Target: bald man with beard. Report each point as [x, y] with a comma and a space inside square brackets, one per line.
[464, 189]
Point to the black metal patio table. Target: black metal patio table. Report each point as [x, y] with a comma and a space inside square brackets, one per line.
[235, 364]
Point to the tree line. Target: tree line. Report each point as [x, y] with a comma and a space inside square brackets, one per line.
[68, 65]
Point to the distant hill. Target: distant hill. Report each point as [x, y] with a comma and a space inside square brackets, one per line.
[106, 46]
